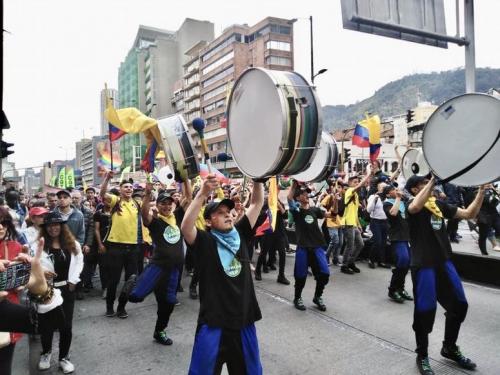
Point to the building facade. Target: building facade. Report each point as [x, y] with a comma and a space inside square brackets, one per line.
[115, 99]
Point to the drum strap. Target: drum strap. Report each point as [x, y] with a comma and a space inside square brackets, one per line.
[472, 165]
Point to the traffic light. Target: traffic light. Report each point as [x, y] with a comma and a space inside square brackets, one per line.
[4, 149]
[409, 116]
[347, 155]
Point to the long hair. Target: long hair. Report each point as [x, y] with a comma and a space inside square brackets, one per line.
[6, 220]
[66, 238]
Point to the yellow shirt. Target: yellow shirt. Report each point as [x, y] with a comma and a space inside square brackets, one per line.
[124, 224]
[351, 210]
[331, 222]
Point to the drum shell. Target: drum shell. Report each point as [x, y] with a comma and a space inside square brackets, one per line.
[291, 147]
[458, 133]
[178, 146]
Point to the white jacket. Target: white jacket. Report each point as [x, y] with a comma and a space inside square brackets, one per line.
[75, 266]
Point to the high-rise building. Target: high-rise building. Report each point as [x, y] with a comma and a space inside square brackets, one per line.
[150, 71]
[79, 147]
[86, 165]
[113, 95]
[267, 44]
[31, 181]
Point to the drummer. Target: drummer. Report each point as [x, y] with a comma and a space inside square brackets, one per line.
[311, 245]
[433, 274]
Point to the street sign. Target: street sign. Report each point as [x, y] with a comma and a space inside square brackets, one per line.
[419, 21]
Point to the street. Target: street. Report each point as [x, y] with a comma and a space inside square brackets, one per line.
[362, 332]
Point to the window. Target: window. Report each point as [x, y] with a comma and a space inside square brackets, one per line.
[281, 29]
[274, 44]
[278, 60]
[218, 63]
[190, 80]
[215, 92]
[233, 38]
[214, 105]
[218, 76]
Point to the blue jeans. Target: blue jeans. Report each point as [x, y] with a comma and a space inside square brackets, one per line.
[335, 243]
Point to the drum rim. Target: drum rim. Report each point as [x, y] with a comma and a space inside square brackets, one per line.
[328, 168]
[435, 113]
[285, 130]
[418, 150]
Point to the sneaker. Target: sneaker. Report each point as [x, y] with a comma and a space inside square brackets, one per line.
[104, 294]
[66, 366]
[299, 304]
[318, 301]
[396, 297]
[162, 338]
[496, 248]
[122, 313]
[455, 355]
[110, 312]
[335, 262]
[423, 366]
[193, 294]
[384, 265]
[282, 280]
[403, 293]
[258, 275]
[353, 267]
[176, 302]
[180, 289]
[371, 264]
[272, 267]
[129, 285]
[44, 363]
[347, 270]
[265, 269]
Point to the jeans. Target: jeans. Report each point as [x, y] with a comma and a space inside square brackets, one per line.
[335, 243]
[354, 244]
[379, 230]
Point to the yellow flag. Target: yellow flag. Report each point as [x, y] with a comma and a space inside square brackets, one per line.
[272, 200]
[130, 120]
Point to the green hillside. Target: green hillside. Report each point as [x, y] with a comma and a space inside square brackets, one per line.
[398, 96]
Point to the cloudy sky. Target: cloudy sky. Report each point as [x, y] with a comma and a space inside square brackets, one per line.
[59, 53]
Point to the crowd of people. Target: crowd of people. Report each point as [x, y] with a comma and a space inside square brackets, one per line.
[153, 235]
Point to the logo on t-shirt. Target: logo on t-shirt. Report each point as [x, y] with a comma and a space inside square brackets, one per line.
[309, 219]
[234, 268]
[436, 222]
[172, 234]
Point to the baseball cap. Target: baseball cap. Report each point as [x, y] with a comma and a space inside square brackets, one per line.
[38, 211]
[214, 205]
[63, 191]
[414, 181]
[53, 217]
[163, 196]
[301, 190]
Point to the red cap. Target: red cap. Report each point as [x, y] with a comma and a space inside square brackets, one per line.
[38, 211]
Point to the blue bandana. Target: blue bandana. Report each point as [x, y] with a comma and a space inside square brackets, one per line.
[228, 244]
[402, 207]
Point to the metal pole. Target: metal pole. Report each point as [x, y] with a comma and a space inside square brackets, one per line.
[312, 49]
[470, 50]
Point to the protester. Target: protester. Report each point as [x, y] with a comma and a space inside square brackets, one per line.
[32, 232]
[433, 274]
[333, 203]
[52, 201]
[102, 218]
[71, 215]
[378, 227]
[228, 305]
[488, 219]
[90, 197]
[67, 255]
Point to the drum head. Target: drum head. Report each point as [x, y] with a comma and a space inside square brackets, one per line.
[166, 176]
[413, 163]
[323, 163]
[257, 126]
[459, 133]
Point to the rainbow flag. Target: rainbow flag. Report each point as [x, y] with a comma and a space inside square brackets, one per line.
[105, 160]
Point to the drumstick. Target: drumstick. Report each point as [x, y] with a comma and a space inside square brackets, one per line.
[199, 126]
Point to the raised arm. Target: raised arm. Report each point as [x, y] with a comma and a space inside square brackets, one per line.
[105, 196]
[418, 203]
[188, 228]
[473, 209]
[256, 203]
[291, 192]
[146, 205]
[397, 202]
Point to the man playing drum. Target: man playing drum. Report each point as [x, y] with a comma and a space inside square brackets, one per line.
[433, 274]
[311, 245]
[228, 305]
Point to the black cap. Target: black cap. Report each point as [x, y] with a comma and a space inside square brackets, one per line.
[414, 181]
[214, 205]
[90, 188]
[388, 189]
[63, 191]
[300, 190]
[53, 217]
[163, 196]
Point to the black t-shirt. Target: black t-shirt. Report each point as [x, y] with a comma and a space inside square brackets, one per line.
[398, 225]
[226, 301]
[62, 261]
[167, 240]
[103, 219]
[429, 242]
[306, 227]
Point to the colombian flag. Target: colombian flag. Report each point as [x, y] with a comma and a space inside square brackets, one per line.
[148, 162]
[269, 225]
[367, 134]
[361, 137]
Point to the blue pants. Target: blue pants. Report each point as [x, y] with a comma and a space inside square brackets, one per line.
[164, 284]
[335, 243]
[316, 259]
[238, 349]
[437, 284]
[379, 230]
[402, 252]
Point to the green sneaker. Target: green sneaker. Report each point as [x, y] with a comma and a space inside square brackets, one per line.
[423, 366]
[396, 297]
[299, 304]
[162, 338]
[455, 355]
[403, 293]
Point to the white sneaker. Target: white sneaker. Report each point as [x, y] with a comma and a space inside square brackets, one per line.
[66, 366]
[496, 248]
[44, 363]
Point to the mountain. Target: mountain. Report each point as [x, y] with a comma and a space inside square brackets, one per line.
[398, 96]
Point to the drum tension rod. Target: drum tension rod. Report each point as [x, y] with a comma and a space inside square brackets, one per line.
[299, 148]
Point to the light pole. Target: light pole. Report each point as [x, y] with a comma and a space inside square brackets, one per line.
[311, 35]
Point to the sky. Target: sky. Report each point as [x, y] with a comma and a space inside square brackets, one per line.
[59, 53]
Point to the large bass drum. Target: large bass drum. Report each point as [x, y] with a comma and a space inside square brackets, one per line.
[461, 140]
[274, 123]
[178, 145]
[413, 163]
[324, 162]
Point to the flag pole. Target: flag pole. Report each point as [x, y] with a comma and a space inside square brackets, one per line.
[109, 131]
